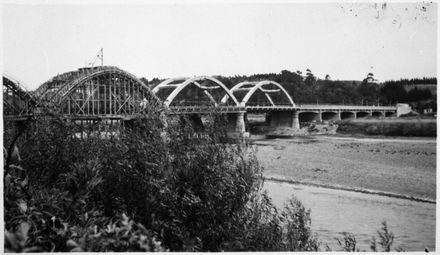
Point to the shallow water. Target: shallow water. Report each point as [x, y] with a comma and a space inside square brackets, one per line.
[337, 211]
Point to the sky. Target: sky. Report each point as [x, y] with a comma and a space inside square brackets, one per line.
[164, 40]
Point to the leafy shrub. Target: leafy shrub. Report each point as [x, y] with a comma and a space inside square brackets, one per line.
[299, 235]
[386, 239]
[183, 192]
[122, 235]
[348, 242]
[261, 227]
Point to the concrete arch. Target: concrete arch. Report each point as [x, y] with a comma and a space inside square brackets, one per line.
[389, 114]
[309, 116]
[330, 116]
[188, 81]
[362, 114]
[167, 83]
[255, 86]
[348, 115]
[377, 114]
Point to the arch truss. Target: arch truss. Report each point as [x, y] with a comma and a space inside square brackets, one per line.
[99, 91]
[16, 100]
[201, 91]
[265, 94]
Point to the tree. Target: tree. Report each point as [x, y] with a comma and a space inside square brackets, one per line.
[368, 91]
[336, 92]
[310, 79]
[393, 93]
[144, 80]
[370, 77]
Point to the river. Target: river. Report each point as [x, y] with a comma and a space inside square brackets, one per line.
[336, 211]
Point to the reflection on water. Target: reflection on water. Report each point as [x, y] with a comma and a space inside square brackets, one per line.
[336, 211]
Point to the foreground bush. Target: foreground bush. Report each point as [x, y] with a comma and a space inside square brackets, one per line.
[153, 186]
[348, 241]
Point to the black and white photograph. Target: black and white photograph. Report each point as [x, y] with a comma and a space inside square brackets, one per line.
[219, 126]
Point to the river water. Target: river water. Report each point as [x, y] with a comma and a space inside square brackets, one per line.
[335, 211]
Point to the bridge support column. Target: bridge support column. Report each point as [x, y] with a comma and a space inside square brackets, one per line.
[239, 123]
[236, 124]
[268, 117]
[295, 120]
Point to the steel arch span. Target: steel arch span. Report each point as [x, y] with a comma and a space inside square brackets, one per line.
[105, 91]
[16, 100]
[196, 91]
[261, 94]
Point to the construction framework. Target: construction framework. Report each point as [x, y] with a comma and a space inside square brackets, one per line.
[17, 102]
[97, 92]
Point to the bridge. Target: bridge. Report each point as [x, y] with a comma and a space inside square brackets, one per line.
[17, 101]
[307, 113]
[110, 93]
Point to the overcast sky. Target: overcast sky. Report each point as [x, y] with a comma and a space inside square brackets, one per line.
[345, 41]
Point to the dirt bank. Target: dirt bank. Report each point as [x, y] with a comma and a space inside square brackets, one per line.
[403, 166]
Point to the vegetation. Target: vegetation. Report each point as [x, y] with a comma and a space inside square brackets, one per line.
[407, 126]
[348, 241]
[143, 189]
[416, 81]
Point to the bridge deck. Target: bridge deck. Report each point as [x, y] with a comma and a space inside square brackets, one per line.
[347, 107]
[201, 110]
[222, 109]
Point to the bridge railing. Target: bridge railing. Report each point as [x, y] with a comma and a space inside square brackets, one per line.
[206, 109]
[353, 107]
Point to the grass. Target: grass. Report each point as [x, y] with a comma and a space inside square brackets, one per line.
[423, 127]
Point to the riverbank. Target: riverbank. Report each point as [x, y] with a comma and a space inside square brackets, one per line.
[410, 126]
[282, 179]
[394, 166]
